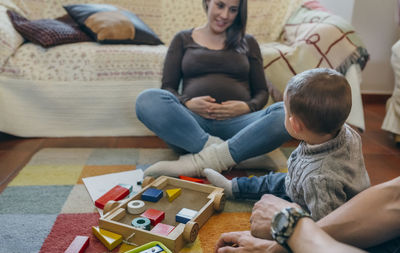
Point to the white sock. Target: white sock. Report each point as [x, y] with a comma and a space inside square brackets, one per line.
[213, 140]
[219, 180]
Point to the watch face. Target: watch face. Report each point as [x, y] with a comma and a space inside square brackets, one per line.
[281, 222]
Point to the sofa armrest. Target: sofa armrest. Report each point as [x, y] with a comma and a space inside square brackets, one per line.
[312, 38]
[314, 25]
[10, 39]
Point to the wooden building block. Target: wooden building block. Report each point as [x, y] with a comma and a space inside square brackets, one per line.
[173, 193]
[185, 215]
[78, 245]
[141, 222]
[109, 239]
[118, 192]
[155, 216]
[162, 229]
[192, 179]
[152, 194]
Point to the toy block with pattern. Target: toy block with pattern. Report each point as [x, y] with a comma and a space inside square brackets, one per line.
[192, 179]
[109, 239]
[78, 245]
[185, 215]
[118, 192]
[152, 194]
[141, 222]
[155, 216]
[162, 229]
[173, 193]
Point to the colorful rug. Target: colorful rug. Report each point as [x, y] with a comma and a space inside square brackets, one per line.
[47, 204]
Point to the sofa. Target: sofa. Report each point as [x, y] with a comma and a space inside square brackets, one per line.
[89, 88]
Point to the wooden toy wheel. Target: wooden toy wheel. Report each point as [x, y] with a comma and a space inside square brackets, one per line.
[191, 231]
[147, 181]
[111, 204]
[219, 202]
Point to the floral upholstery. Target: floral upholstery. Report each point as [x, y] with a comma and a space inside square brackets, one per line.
[89, 89]
[10, 39]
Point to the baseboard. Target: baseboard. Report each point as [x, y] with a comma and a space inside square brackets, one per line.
[375, 98]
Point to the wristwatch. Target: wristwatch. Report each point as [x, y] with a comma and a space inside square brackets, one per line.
[284, 222]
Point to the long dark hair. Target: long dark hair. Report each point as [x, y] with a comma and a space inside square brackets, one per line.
[236, 32]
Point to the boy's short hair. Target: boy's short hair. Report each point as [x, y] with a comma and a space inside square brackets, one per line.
[320, 98]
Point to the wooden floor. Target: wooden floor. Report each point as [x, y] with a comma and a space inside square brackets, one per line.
[382, 157]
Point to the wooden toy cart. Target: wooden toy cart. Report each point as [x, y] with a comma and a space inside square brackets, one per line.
[205, 199]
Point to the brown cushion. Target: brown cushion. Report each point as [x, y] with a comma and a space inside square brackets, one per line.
[109, 24]
[48, 32]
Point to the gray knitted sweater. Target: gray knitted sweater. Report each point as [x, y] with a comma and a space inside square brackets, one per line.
[322, 177]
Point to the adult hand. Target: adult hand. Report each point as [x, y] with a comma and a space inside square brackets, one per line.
[229, 109]
[243, 242]
[202, 106]
[263, 212]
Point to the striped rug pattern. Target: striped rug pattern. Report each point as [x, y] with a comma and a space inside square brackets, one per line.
[47, 204]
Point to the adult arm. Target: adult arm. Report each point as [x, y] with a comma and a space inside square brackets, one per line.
[368, 219]
[172, 70]
[299, 242]
[308, 237]
[257, 80]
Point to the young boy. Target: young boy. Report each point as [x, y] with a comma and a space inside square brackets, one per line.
[327, 168]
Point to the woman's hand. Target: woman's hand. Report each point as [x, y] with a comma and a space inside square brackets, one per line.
[202, 106]
[263, 212]
[229, 109]
[206, 107]
[243, 242]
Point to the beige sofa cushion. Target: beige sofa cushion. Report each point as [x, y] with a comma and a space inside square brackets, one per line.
[86, 61]
[266, 18]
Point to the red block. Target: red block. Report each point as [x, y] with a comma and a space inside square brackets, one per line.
[162, 229]
[196, 180]
[116, 193]
[155, 216]
[78, 245]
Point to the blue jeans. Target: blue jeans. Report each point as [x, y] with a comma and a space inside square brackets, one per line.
[248, 135]
[255, 187]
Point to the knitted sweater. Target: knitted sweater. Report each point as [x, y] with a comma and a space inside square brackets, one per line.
[322, 177]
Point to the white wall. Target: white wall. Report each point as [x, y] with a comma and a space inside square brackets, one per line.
[344, 8]
[376, 23]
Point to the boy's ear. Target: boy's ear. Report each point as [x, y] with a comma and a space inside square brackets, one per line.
[296, 124]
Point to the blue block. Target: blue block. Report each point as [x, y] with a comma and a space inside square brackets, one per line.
[185, 215]
[182, 219]
[152, 194]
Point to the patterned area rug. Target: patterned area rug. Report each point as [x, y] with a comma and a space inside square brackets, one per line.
[47, 204]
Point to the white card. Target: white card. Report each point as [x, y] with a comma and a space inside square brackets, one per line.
[97, 186]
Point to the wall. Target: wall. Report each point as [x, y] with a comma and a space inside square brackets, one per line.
[376, 23]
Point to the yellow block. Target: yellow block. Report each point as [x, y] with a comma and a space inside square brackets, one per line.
[173, 193]
[109, 239]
